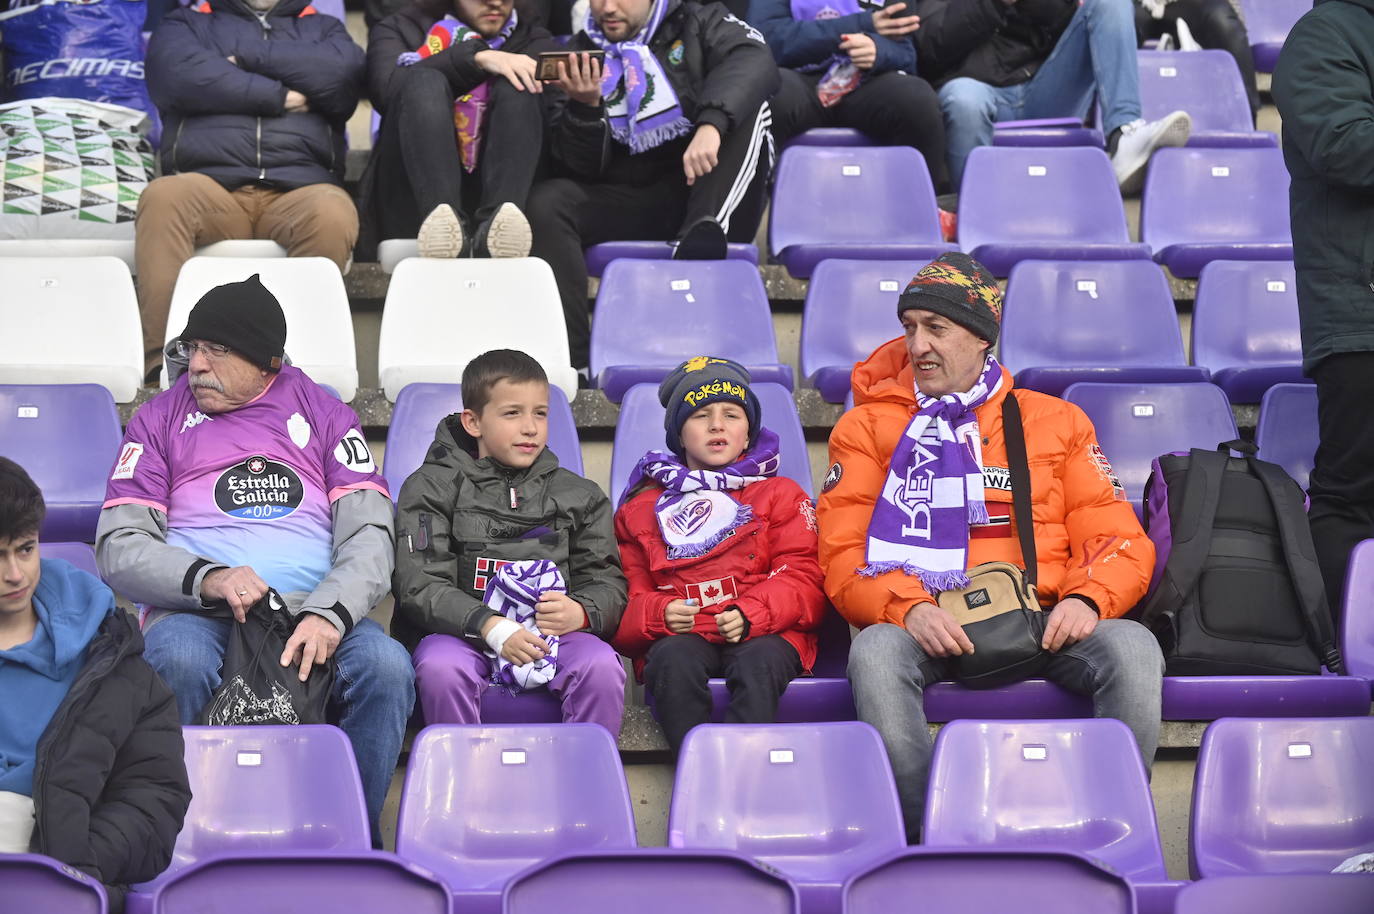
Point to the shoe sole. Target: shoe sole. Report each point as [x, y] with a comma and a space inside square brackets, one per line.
[1175, 134]
[509, 234]
[441, 234]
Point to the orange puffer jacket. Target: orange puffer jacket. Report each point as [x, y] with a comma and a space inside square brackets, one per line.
[1088, 541]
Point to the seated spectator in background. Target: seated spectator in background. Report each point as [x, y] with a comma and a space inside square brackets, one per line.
[1000, 60]
[845, 65]
[918, 493]
[669, 142]
[1211, 23]
[247, 475]
[92, 764]
[431, 66]
[254, 95]
[493, 530]
[720, 555]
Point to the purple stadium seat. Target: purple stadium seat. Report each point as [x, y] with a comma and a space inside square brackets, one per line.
[663, 880]
[1341, 893]
[1023, 203]
[1074, 785]
[1053, 131]
[1202, 205]
[67, 437]
[1033, 699]
[1282, 796]
[361, 882]
[1268, 22]
[333, 8]
[1245, 326]
[640, 430]
[851, 309]
[511, 811]
[417, 412]
[599, 256]
[1108, 320]
[1357, 631]
[1287, 432]
[865, 203]
[831, 136]
[268, 790]
[652, 314]
[1207, 84]
[79, 554]
[816, 801]
[987, 881]
[32, 883]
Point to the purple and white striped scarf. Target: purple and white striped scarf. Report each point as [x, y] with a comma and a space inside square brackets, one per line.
[933, 490]
[641, 106]
[513, 592]
[694, 513]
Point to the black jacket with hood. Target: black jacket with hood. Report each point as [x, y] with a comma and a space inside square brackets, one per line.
[988, 40]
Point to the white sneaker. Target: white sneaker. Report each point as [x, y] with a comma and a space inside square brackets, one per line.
[441, 234]
[1139, 139]
[507, 234]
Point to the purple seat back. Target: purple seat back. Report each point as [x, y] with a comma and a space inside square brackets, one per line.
[652, 314]
[1357, 628]
[79, 554]
[851, 310]
[1074, 785]
[361, 882]
[1281, 796]
[333, 8]
[1340, 893]
[1245, 326]
[1051, 131]
[1287, 432]
[831, 136]
[987, 881]
[740, 787]
[665, 880]
[1268, 23]
[1136, 423]
[640, 430]
[1025, 203]
[599, 256]
[32, 883]
[510, 812]
[1202, 205]
[67, 437]
[1068, 321]
[872, 202]
[1206, 84]
[416, 415]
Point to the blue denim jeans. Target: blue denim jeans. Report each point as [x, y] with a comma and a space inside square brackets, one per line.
[1119, 665]
[374, 689]
[1096, 51]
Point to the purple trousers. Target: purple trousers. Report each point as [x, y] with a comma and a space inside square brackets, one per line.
[451, 675]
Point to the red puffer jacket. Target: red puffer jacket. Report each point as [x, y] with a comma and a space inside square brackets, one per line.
[768, 568]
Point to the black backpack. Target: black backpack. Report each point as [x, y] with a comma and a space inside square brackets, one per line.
[1236, 589]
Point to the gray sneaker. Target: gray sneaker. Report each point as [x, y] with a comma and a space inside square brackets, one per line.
[1139, 139]
[441, 234]
[506, 235]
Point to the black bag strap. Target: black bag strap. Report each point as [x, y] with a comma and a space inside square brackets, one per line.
[1301, 556]
[1014, 434]
[1191, 533]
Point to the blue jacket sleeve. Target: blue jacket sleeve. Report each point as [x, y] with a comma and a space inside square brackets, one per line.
[327, 70]
[189, 76]
[893, 54]
[795, 43]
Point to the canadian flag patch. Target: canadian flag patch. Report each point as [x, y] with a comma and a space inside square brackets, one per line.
[486, 570]
[709, 593]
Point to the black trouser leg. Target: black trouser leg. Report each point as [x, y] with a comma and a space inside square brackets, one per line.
[796, 107]
[676, 671]
[900, 110]
[757, 672]
[732, 193]
[423, 116]
[512, 137]
[1342, 484]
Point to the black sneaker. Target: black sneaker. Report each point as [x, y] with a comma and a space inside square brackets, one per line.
[703, 240]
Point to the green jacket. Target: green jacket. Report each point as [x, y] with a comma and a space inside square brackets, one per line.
[455, 521]
[1324, 88]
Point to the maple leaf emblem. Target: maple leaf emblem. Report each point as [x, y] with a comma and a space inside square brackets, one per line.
[712, 591]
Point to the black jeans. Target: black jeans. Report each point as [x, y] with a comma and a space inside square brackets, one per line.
[756, 672]
[1342, 484]
[1215, 24]
[894, 108]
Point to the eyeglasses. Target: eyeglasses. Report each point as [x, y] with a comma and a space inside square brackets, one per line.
[212, 351]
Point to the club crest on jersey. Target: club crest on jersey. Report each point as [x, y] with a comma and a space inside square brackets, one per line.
[299, 430]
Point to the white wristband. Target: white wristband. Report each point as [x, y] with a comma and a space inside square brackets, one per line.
[500, 633]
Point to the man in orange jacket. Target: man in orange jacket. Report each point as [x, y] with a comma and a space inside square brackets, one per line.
[919, 492]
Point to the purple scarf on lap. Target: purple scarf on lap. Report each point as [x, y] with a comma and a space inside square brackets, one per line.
[933, 490]
[641, 106]
[513, 593]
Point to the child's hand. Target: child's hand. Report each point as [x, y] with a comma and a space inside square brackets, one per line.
[556, 613]
[680, 616]
[524, 647]
[730, 624]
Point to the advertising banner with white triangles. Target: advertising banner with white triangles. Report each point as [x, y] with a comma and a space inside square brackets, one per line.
[72, 169]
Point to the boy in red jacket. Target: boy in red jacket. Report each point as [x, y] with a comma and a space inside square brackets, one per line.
[720, 555]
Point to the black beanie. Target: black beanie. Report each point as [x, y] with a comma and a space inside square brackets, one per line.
[960, 288]
[244, 316]
[700, 381]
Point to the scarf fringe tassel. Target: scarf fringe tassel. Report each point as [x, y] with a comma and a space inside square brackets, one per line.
[933, 581]
[651, 139]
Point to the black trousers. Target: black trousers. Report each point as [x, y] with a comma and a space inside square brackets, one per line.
[756, 672]
[420, 167]
[1342, 485]
[1215, 24]
[567, 215]
[894, 108]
